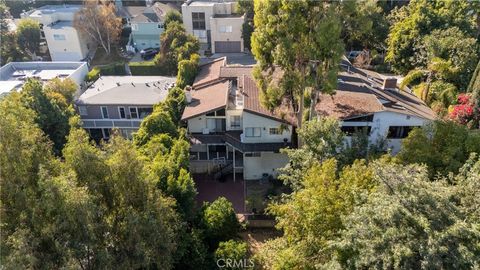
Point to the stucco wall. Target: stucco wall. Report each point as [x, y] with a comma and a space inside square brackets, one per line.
[253, 120]
[73, 48]
[268, 162]
[147, 35]
[197, 124]
[236, 34]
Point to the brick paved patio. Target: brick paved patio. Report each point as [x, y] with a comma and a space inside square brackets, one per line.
[209, 190]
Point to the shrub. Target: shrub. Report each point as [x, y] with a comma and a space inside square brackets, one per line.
[107, 70]
[147, 68]
[93, 75]
[233, 250]
[219, 221]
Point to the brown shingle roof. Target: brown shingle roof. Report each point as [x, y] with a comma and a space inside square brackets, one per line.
[209, 72]
[235, 71]
[207, 99]
[252, 103]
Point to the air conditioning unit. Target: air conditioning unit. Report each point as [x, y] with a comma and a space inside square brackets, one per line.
[205, 131]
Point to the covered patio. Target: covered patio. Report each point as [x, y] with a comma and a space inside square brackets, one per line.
[209, 190]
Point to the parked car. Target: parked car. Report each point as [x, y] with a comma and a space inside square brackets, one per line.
[149, 53]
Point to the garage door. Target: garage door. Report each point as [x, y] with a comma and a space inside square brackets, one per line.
[227, 46]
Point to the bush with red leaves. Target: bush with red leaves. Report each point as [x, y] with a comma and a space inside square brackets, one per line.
[465, 112]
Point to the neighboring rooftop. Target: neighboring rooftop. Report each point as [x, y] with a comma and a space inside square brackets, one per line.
[134, 90]
[14, 74]
[139, 14]
[207, 99]
[50, 9]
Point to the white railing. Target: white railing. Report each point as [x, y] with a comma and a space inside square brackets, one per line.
[111, 123]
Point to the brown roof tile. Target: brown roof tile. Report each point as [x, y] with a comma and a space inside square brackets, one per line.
[207, 99]
[209, 72]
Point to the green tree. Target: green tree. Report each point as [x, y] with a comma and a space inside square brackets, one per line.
[156, 123]
[408, 222]
[412, 22]
[233, 250]
[467, 185]
[176, 45]
[474, 86]
[28, 34]
[246, 7]
[175, 103]
[52, 113]
[311, 217]
[219, 221]
[187, 70]
[172, 16]
[443, 146]
[9, 50]
[303, 40]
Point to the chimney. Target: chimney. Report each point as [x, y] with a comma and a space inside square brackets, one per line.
[188, 94]
[389, 83]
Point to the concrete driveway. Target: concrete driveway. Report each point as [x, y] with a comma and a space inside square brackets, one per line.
[232, 58]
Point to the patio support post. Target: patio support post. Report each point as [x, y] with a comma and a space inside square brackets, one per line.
[234, 171]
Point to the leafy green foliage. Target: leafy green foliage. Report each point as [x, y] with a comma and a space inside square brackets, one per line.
[443, 147]
[187, 70]
[219, 221]
[408, 222]
[9, 49]
[175, 103]
[157, 122]
[176, 46]
[172, 16]
[233, 250]
[28, 34]
[52, 108]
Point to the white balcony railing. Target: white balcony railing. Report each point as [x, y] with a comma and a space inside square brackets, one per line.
[111, 123]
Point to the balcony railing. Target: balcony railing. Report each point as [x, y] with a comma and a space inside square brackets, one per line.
[111, 123]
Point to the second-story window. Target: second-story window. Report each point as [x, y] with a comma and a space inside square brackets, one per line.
[134, 27]
[399, 132]
[226, 29]
[253, 132]
[133, 112]
[121, 112]
[274, 131]
[82, 110]
[58, 37]
[235, 121]
[144, 112]
[198, 20]
[104, 112]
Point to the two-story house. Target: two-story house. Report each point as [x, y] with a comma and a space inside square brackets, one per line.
[372, 102]
[120, 102]
[216, 24]
[146, 23]
[229, 128]
[227, 125]
[65, 43]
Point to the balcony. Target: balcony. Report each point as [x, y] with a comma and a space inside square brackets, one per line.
[111, 123]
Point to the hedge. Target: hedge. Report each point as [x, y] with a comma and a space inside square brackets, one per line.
[116, 69]
[147, 68]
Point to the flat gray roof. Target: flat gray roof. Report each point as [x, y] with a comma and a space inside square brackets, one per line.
[14, 74]
[122, 90]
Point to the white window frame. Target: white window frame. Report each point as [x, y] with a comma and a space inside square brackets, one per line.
[82, 110]
[253, 132]
[101, 111]
[232, 117]
[120, 113]
[276, 133]
[136, 111]
[134, 27]
[59, 37]
[226, 29]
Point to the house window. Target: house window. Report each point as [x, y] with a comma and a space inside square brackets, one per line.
[220, 112]
[134, 27]
[104, 112]
[121, 112]
[253, 132]
[160, 25]
[58, 37]
[350, 130]
[235, 121]
[398, 132]
[253, 154]
[144, 112]
[365, 118]
[274, 131]
[200, 33]
[226, 29]
[82, 110]
[133, 112]
[198, 20]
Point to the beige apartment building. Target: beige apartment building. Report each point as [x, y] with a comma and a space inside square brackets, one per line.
[217, 25]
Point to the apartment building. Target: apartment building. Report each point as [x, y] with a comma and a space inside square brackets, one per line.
[216, 24]
[120, 102]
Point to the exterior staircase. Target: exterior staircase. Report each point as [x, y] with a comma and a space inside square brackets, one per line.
[223, 169]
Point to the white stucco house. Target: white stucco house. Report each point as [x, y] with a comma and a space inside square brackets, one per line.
[65, 43]
[216, 24]
[368, 100]
[230, 131]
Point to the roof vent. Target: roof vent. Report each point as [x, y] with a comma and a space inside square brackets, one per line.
[118, 84]
[147, 84]
[133, 84]
[389, 83]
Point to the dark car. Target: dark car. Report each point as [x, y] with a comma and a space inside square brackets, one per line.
[149, 53]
